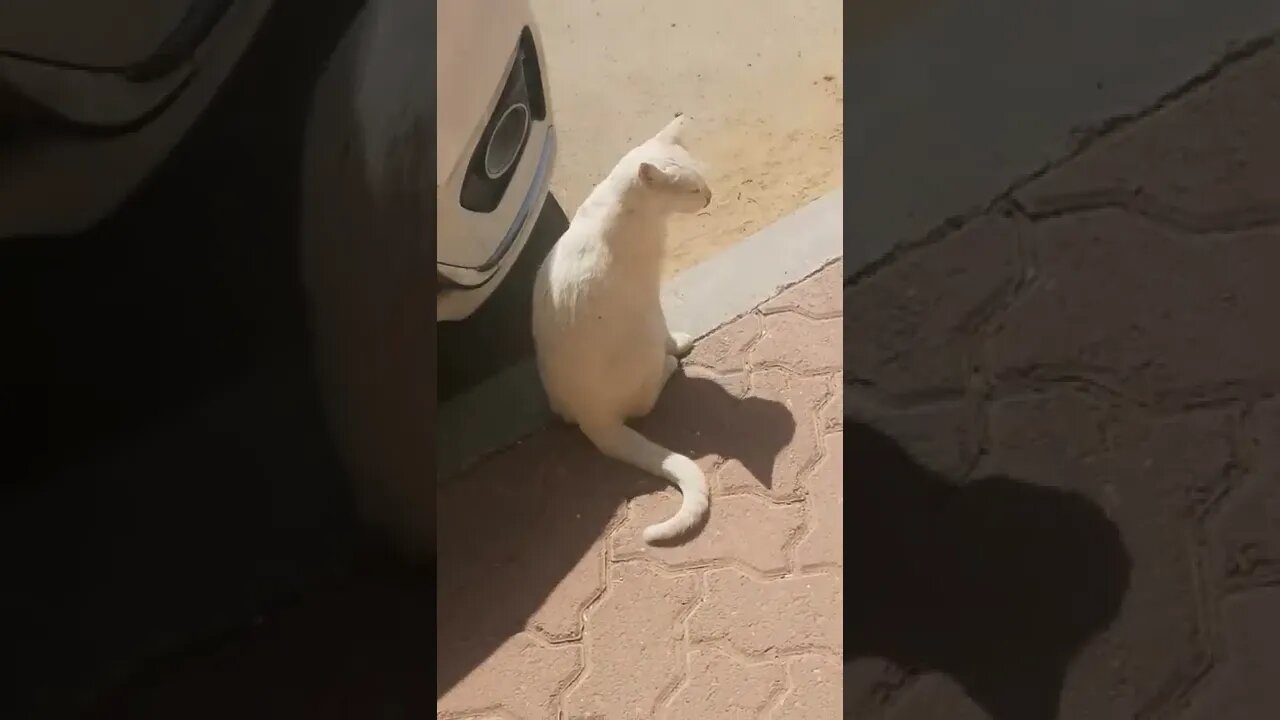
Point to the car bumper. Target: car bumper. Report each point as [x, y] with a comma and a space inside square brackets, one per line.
[463, 290]
[69, 182]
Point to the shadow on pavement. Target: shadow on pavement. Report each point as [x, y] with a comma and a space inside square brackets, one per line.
[357, 648]
[997, 582]
[177, 536]
[696, 417]
[521, 535]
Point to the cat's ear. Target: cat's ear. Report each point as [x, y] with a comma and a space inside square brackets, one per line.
[650, 175]
[674, 130]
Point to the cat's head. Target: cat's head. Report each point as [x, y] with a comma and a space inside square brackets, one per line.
[669, 174]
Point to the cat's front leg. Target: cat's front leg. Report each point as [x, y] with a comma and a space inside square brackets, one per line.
[679, 344]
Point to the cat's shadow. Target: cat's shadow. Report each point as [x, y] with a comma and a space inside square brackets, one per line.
[996, 582]
[699, 417]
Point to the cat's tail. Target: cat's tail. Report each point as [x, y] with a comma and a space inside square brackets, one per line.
[623, 443]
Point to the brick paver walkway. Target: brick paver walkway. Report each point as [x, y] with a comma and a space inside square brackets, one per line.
[1064, 442]
[551, 606]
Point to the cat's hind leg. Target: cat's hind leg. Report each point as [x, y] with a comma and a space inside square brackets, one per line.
[679, 344]
[654, 391]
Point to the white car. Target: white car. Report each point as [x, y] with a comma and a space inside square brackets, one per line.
[496, 145]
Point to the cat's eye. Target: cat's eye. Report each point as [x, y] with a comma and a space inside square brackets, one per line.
[695, 190]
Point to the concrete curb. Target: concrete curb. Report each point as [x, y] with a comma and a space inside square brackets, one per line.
[511, 405]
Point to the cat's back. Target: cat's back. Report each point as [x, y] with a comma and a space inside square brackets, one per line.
[580, 257]
[596, 262]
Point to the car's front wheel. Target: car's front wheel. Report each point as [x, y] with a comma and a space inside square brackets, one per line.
[367, 217]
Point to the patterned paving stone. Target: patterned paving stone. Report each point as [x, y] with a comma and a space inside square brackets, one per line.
[721, 686]
[775, 473]
[823, 543]
[1145, 309]
[550, 539]
[523, 676]
[770, 618]
[800, 344]
[909, 325]
[831, 417]
[634, 645]
[816, 688]
[1245, 529]
[1245, 534]
[1243, 686]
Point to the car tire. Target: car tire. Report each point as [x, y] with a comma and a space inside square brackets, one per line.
[367, 218]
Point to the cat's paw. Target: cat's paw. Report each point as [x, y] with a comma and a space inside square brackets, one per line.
[679, 344]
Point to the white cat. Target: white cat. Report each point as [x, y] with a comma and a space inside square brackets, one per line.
[603, 348]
